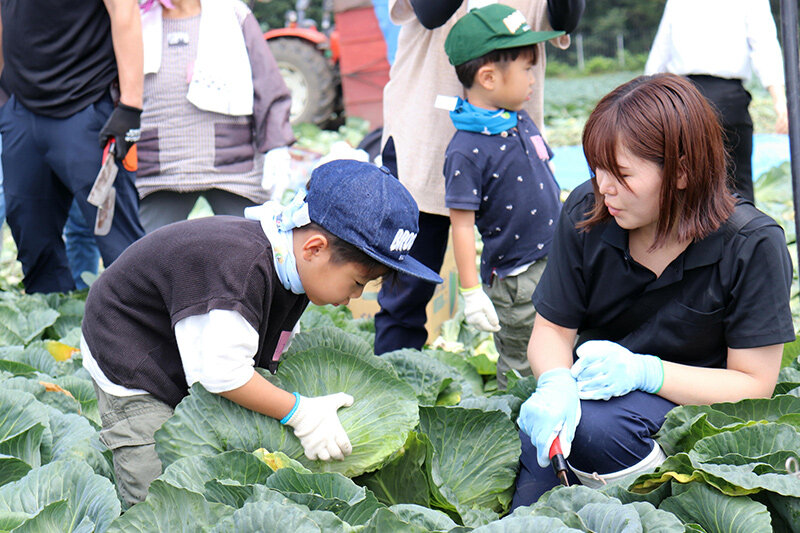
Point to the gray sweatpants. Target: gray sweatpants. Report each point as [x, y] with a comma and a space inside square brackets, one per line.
[129, 423]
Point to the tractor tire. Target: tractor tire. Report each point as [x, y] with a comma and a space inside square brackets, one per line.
[310, 78]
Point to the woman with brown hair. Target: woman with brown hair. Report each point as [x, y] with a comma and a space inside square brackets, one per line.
[677, 291]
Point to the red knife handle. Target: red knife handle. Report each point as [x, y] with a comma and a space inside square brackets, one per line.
[555, 448]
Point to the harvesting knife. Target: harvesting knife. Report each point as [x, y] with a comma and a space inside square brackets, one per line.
[103, 194]
[105, 178]
[558, 462]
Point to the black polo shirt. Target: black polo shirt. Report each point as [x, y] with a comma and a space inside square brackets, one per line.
[734, 291]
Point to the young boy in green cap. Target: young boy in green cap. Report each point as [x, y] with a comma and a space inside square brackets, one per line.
[498, 177]
[206, 300]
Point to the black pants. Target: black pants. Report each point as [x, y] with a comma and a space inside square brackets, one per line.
[612, 435]
[46, 163]
[401, 321]
[731, 100]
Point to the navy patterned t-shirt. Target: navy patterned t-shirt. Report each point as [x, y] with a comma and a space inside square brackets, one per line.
[506, 179]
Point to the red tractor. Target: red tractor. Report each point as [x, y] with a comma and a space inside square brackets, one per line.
[335, 70]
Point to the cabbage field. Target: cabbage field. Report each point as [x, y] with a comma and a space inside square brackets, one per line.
[435, 447]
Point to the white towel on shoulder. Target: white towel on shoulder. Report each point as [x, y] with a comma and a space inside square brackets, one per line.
[222, 81]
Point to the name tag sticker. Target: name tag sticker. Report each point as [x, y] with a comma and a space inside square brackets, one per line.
[177, 38]
[476, 4]
[448, 103]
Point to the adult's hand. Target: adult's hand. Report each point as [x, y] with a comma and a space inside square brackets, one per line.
[782, 122]
[553, 410]
[316, 423]
[277, 171]
[606, 369]
[124, 126]
[778, 94]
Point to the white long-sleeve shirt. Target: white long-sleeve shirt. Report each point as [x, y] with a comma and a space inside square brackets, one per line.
[722, 38]
[217, 350]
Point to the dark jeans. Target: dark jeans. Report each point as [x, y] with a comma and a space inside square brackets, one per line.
[82, 252]
[46, 162]
[401, 321]
[731, 101]
[611, 436]
[2, 196]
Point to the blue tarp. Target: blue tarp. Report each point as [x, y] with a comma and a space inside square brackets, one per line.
[769, 150]
[388, 28]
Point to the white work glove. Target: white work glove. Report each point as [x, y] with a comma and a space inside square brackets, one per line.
[277, 171]
[479, 310]
[317, 425]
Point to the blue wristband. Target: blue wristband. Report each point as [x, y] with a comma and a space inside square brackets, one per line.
[294, 408]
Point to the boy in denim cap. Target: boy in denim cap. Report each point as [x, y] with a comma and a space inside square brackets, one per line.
[497, 176]
[205, 300]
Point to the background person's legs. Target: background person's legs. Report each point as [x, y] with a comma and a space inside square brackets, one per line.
[739, 144]
[512, 301]
[2, 197]
[82, 252]
[227, 203]
[731, 101]
[37, 203]
[74, 154]
[165, 207]
[401, 321]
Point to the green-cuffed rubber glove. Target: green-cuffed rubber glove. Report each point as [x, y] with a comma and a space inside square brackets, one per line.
[553, 410]
[606, 369]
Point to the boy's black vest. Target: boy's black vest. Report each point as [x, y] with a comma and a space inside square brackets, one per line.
[181, 270]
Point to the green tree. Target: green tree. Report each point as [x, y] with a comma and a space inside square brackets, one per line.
[602, 20]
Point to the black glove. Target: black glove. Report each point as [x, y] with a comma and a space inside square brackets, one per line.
[124, 125]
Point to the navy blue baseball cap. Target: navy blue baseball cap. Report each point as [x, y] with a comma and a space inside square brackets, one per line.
[368, 207]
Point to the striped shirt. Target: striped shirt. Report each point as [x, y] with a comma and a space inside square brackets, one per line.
[186, 149]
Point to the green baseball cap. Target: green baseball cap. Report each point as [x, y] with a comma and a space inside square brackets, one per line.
[492, 27]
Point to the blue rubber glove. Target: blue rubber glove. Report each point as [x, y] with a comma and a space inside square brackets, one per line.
[605, 369]
[553, 410]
